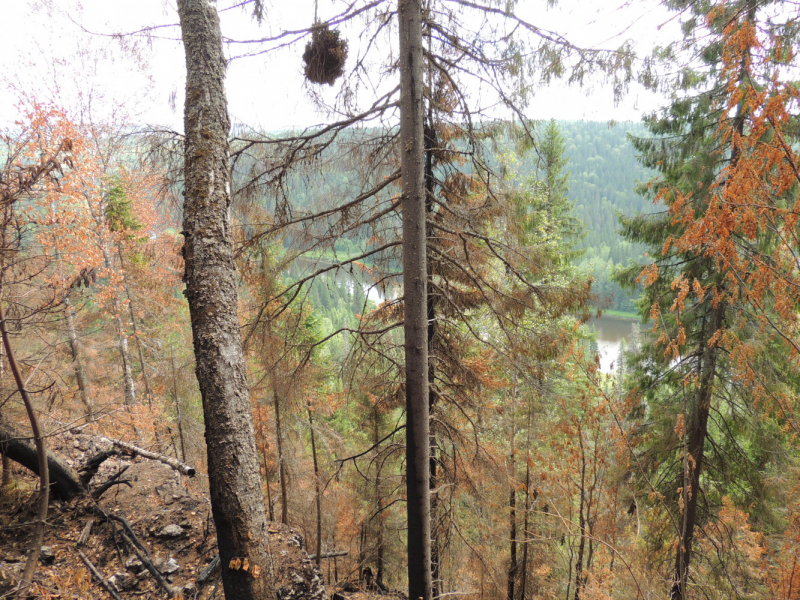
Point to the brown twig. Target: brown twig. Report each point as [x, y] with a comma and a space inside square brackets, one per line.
[98, 576]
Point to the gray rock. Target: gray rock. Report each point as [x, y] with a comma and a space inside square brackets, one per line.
[171, 531]
[134, 565]
[46, 555]
[169, 566]
[122, 581]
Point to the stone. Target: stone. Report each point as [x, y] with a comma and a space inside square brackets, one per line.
[169, 566]
[171, 531]
[134, 565]
[46, 555]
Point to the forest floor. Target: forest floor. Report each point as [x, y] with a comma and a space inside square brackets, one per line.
[159, 522]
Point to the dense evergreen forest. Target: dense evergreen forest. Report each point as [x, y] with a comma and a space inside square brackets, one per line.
[360, 351]
[603, 177]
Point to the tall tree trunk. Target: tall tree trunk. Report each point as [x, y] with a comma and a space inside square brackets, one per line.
[122, 336]
[696, 432]
[237, 501]
[379, 543]
[281, 462]
[178, 415]
[581, 523]
[523, 592]
[415, 296]
[6, 462]
[317, 493]
[77, 361]
[436, 528]
[263, 449]
[142, 364]
[512, 508]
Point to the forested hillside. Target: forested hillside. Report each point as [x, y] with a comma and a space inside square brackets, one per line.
[352, 360]
[603, 179]
[604, 175]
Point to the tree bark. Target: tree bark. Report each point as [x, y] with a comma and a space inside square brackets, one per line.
[317, 492]
[124, 352]
[143, 365]
[178, 415]
[581, 522]
[523, 592]
[415, 296]
[6, 462]
[430, 301]
[381, 547]
[512, 508]
[237, 501]
[262, 437]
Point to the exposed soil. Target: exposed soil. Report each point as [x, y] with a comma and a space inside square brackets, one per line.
[168, 514]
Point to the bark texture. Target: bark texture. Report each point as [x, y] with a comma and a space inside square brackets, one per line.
[512, 508]
[412, 150]
[236, 498]
[281, 458]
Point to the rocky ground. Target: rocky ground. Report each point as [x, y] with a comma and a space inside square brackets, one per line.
[152, 537]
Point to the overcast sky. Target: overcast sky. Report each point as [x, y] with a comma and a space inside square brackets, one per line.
[61, 51]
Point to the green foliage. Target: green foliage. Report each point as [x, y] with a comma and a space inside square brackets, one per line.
[119, 208]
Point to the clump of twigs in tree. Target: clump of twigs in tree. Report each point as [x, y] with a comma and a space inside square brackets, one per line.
[325, 55]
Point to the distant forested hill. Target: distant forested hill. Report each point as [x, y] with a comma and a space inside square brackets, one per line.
[603, 174]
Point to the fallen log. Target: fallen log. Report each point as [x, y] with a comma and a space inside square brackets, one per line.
[167, 460]
[329, 554]
[65, 483]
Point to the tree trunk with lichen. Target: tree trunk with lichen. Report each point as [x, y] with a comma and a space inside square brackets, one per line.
[237, 501]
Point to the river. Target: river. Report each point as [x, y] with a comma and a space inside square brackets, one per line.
[610, 333]
[610, 330]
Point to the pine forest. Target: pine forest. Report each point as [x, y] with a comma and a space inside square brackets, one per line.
[370, 357]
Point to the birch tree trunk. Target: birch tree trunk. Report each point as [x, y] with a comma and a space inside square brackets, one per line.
[136, 337]
[237, 501]
[127, 368]
[415, 300]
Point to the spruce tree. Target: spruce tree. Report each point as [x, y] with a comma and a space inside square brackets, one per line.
[700, 443]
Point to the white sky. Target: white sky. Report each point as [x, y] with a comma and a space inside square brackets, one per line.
[46, 52]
